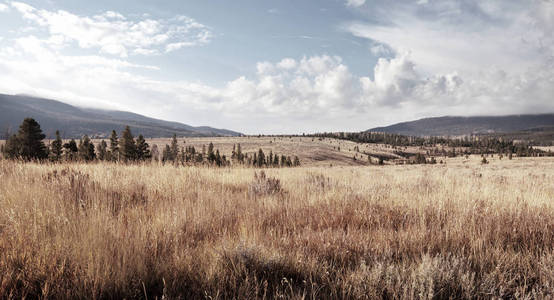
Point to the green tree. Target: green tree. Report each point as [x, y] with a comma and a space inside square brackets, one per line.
[114, 146]
[12, 147]
[127, 147]
[57, 146]
[30, 138]
[261, 157]
[91, 155]
[84, 149]
[174, 148]
[211, 154]
[143, 151]
[71, 149]
[240, 156]
[103, 150]
[166, 154]
[218, 158]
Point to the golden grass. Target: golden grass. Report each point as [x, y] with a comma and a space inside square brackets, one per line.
[461, 230]
[312, 152]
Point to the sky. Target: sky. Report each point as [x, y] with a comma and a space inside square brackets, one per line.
[287, 66]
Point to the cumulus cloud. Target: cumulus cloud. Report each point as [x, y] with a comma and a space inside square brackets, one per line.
[114, 34]
[3, 7]
[463, 35]
[434, 61]
[355, 3]
[313, 93]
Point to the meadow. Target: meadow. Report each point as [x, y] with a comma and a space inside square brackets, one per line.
[312, 151]
[108, 231]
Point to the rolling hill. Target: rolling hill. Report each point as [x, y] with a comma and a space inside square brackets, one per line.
[74, 122]
[457, 126]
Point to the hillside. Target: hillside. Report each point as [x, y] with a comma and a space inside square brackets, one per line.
[75, 121]
[456, 126]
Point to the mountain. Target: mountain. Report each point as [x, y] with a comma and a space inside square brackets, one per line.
[457, 126]
[74, 122]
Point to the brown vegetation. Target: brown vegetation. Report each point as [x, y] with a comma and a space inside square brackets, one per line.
[104, 230]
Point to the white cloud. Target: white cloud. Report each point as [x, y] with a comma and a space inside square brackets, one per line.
[355, 3]
[315, 93]
[464, 36]
[287, 64]
[114, 34]
[432, 67]
[4, 7]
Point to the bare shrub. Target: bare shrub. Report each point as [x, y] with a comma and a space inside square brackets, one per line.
[263, 185]
[319, 181]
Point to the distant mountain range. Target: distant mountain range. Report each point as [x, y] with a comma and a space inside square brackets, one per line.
[458, 126]
[74, 122]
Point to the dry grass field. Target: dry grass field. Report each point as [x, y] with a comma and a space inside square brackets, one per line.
[102, 231]
[311, 151]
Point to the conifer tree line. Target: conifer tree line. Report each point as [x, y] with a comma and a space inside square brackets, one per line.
[188, 155]
[470, 144]
[28, 144]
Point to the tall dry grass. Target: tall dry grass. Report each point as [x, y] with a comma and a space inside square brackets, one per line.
[103, 231]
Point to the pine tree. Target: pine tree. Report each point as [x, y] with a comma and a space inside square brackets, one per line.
[261, 157]
[30, 138]
[240, 156]
[296, 161]
[166, 154]
[143, 151]
[127, 147]
[57, 146]
[217, 158]
[71, 149]
[91, 153]
[84, 152]
[12, 147]
[102, 150]
[174, 148]
[211, 154]
[114, 146]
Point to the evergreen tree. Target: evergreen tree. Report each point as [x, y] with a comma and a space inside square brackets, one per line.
[289, 162]
[211, 154]
[103, 150]
[71, 149]
[240, 156]
[91, 153]
[261, 157]
[217, 158]
[57, 146]
[30, 138]
[174, 148]
[114, 146]
[143, 151]
[84, 145]
[127, 147]
[12, 147]
[166, 154]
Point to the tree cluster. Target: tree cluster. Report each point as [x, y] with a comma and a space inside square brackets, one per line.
[189, 155]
